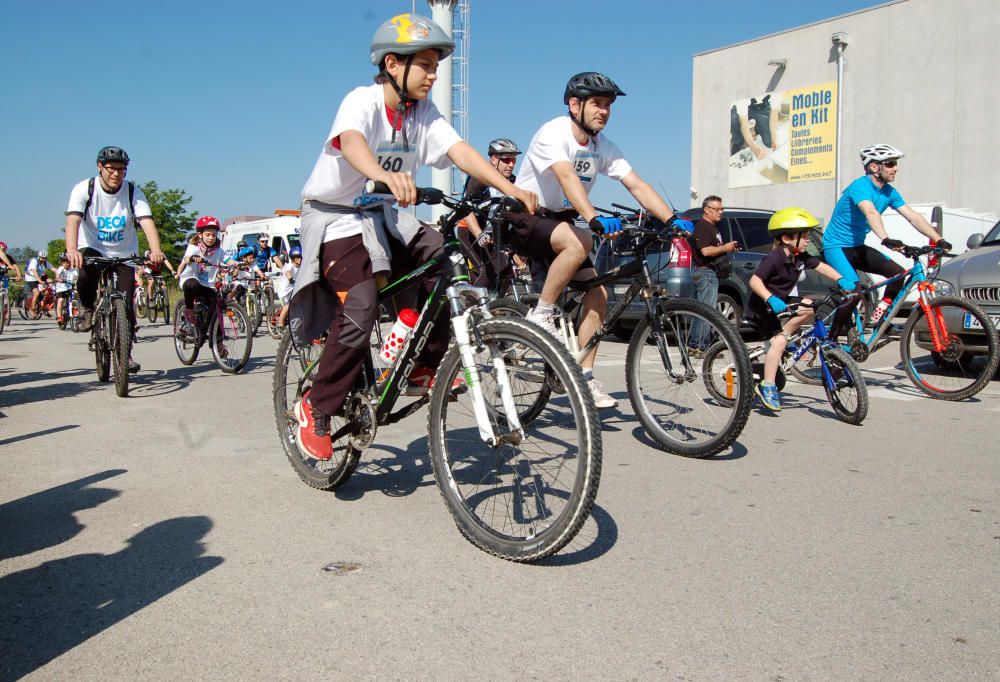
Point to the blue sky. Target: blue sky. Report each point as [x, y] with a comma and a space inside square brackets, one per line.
[231, 100]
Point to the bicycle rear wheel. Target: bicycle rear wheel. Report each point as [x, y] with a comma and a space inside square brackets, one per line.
[185, 344]
[970, 355]
[23, 301]
[121, 345]
[528, 497]
[290, 364]
[272, 320]
[140, 302]
[231, 344]
[528, 368]
[807, 368]
[153, 308]
[849, 395]
[676, 408]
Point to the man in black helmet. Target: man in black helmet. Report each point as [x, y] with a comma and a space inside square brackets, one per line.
[101, 220]
[503, 153]
[561, 166]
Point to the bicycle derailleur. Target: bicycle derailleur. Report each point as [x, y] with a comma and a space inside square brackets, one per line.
[859, 351]
[360, 412]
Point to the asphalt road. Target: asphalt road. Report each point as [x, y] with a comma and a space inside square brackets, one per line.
[165, 536]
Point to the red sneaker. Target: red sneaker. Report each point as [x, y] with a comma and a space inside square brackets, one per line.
[316, 445]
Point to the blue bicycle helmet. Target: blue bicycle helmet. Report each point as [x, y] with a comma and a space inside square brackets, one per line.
[244, 252]
[295, 252]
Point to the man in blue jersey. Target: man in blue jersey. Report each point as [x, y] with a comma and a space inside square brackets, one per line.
[859, 211]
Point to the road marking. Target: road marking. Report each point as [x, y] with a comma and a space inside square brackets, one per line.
[890, 394]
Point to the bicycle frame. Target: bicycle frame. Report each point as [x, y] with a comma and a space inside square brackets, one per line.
[914, 276]
[451, 287]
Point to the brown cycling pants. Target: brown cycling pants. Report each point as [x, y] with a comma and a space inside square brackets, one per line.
[347, 274]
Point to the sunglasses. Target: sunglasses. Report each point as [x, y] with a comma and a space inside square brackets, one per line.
[889, 164]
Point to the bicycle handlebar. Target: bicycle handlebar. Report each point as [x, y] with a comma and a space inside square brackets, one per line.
[836, 297]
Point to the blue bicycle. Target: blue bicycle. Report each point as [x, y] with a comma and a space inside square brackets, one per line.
[811, 356]
[948, 346]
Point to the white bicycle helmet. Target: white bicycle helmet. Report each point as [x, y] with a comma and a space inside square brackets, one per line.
[879, 153]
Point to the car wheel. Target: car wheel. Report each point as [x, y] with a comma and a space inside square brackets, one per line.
[730, 309]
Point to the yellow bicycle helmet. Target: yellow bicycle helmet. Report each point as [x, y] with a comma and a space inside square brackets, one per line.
[791, 220]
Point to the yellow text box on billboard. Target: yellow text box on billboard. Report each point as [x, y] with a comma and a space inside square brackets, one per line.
[812, 153]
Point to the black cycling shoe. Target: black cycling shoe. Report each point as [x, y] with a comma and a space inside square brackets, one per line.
[133, 366]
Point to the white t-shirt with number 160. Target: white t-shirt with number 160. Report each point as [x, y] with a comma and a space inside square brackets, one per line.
[554, 142]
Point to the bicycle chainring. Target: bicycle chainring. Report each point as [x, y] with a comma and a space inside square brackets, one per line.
[859, 351]
[360, 411]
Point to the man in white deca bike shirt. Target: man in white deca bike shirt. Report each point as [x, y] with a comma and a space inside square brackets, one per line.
[561, 166]
[100, 221]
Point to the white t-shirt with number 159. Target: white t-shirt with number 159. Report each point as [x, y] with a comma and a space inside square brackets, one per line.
[554, 142]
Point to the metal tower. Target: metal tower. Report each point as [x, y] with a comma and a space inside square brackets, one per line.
[461, 32]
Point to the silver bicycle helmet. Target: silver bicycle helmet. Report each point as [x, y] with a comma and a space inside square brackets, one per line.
[408, 34]
[503, 145]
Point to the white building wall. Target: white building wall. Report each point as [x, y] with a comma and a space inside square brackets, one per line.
[920, 74]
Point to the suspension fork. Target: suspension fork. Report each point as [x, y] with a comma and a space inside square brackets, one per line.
[462, 324]
[936, 326]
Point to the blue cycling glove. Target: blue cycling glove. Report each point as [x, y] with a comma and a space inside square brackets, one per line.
[777, 305]
[844, 283]
[603, 225]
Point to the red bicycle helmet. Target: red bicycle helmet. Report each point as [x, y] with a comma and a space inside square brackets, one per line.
[207, 222]
[3, 246]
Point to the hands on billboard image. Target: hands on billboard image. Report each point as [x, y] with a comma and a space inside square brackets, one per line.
[785, 136]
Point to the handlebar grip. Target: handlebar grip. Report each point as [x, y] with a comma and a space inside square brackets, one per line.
[425, 195]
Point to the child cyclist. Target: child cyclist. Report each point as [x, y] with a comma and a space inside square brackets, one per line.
[284, 284]
[199, 267]
[65, 281]
[382, 132]
[775, 285]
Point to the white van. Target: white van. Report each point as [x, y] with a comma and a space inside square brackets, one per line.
[283, 230]
[956, 225]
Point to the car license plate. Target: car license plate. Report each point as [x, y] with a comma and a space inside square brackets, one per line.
[973, 323]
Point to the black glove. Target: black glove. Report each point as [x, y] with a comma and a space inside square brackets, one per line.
[943, 245]
[892, 243]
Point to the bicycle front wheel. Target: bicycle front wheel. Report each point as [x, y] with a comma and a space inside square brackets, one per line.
[288, 387]
[121, 342]
[231, 339]
[529, 496]
[185, 342]
[965, 363]
[140, 302]
[848, 395]
[3, 310]
[676, 406]
[153, 308]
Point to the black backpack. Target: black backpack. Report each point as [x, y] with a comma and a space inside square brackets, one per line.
[131, 200]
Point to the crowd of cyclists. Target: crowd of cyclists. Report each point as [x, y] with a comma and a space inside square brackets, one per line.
[353, 239]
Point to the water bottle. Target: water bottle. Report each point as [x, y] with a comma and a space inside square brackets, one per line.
[398, 334]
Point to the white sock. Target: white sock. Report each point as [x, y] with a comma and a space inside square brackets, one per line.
[547, 309]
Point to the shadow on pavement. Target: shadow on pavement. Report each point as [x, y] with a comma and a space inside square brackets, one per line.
[50, 609]
[735, 451]
[45, 519]
[21, 396]
[29, 377]
[397, 474]
[37, 434]
[596, 538]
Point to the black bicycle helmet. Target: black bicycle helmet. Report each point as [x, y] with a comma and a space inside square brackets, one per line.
[591, 84]
[108, 154]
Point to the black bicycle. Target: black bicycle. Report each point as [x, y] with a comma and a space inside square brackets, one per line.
[159, 301]
[663, 368]
[518, 472]
[111, 335]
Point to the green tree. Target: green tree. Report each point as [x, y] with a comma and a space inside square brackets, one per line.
[172, 219]
[55, 247]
